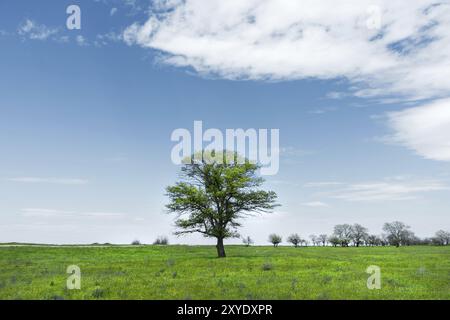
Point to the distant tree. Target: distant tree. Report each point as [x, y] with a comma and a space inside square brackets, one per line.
[314, 239]
[247, 241]
[323, 238]
[358, 233]
[442, 237]
[136, 243]
[373, 240]
[344, 233]
[411, 239]
[334, 240]
[217, 190]
[397, 233]
[384, 239]
[161, 240]
[294, 239]
[275, 239]
[304, 242]
[427, 241]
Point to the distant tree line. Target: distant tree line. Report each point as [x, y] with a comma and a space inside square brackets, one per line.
[395, 234]
[160, 240]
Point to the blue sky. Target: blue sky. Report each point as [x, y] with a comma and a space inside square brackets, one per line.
[86, 116]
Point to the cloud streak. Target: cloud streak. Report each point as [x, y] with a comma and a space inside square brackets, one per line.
[396, 189]
[315, 204]
[34, 31]
[55, 213]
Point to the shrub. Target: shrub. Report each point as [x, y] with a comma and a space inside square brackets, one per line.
[136, 243]
[161, 240]
[275, 239]
[98, 293]
[267, 266]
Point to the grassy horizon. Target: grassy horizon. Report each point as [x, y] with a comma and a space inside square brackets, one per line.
[194, 272]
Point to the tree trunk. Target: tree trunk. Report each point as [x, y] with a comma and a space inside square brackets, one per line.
[220, 248]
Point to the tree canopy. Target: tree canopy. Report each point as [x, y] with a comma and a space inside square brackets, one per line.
[216, 191]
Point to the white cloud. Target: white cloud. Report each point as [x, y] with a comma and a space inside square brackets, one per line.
[71, 181]
[315, 204]
[113, 11]
[63, 39]
[322, 110]
[81, 41]
[386, 190]
[103, 214]
[107, 38]
[40, 212]
[424, 129]
[35, 31]
[409, 55]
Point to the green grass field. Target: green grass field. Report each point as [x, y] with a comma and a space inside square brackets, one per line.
[194, 272]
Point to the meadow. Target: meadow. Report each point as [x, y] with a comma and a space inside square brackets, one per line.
[194, 272]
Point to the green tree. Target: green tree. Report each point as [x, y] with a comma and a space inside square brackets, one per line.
[294, 239]
[217, 190]
[397, 233]
[275, 239]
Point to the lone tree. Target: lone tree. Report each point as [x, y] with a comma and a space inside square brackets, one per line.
[216, 190]
[275, 239]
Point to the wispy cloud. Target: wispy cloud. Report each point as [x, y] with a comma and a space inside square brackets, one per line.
[406, 55]
[113, 11]
[424, 129]
[277, 182]
[107, 38]
[67, 181]
[322, 110]
[322, 184]
[294, 152]
[336, 95]
[390, 189]
[41, 212]
[52, 213]
[293, 155]
[103, 214]
[81, 41]
[32, 30]
[315, 204]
